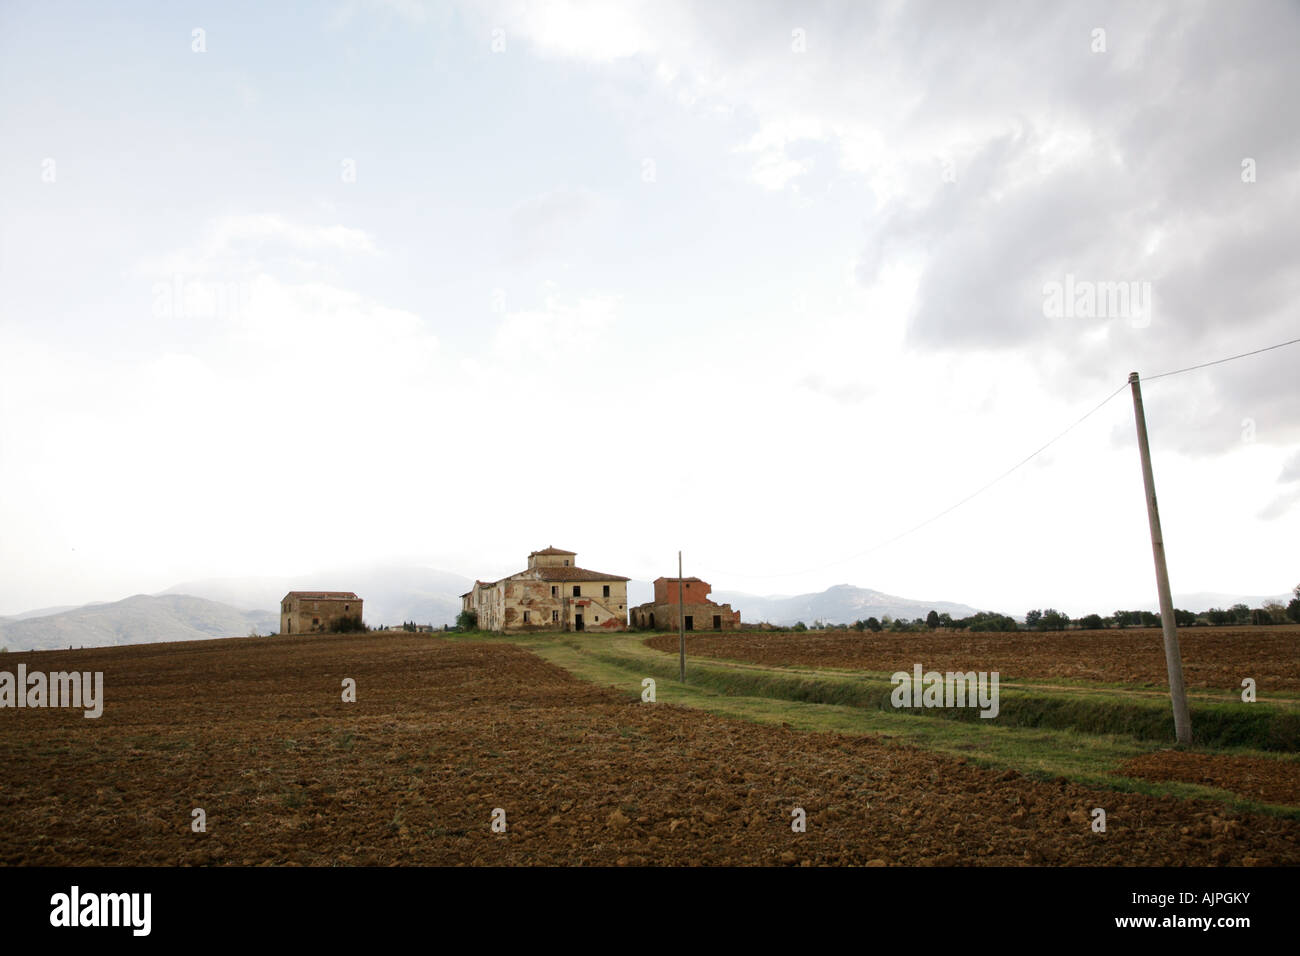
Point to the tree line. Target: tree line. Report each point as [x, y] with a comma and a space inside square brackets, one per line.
[1050, 619]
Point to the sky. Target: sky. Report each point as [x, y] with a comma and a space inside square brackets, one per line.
[285, 288]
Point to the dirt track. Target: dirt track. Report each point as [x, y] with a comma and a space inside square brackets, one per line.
[1255, 778]
[254, 732]
[1213, 657]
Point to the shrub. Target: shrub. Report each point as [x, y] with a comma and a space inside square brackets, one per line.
[348, 625]
[467, 620]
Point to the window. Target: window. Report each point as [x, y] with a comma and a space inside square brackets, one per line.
[566, 562]
[555, 616]
[577, 590]
[347, 607]
[555, 590]
[526, 613]
[315, 621]
[606, 594]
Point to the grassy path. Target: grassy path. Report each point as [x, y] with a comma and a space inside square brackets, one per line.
[623, 661]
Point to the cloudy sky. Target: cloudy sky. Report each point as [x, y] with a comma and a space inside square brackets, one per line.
[769, 283]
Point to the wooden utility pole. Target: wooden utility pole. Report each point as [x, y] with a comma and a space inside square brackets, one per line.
[1173, 655]
[681, 621]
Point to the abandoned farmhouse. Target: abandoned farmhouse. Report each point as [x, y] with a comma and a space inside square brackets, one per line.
[551, 594]
[306, 612]
[554, 594]
[697, 611]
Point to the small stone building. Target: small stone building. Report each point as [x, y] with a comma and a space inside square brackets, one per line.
[314, 612]
[700, 613]
[551, 594]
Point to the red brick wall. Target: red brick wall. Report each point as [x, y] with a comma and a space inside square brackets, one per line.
[693, 592]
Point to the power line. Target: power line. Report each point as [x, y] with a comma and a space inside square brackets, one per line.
[1192, 368]
[935, 517]
[983, 488]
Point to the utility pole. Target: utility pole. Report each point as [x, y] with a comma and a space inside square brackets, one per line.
[681, 621]
[1173, 655]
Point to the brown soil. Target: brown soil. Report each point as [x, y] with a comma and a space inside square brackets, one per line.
[1256, 778]
[1213, 657]
[254, 732]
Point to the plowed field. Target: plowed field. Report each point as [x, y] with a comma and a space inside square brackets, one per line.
[254, 731]
[1256, 778]
[1213, 657]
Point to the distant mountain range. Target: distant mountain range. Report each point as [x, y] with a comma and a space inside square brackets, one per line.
[840, 604]
[394, 593]
[143, 619]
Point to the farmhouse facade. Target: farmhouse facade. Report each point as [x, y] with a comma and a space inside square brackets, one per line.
[316, 612]
[551, 594]
[697, 611]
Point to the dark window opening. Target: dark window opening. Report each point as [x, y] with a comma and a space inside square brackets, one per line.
[717, 622]
[555, 590]
[606, 594]
[690, 622]
[577, 590]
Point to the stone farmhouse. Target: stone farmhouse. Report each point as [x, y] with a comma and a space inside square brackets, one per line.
[699, 612]
[308, 612]
[551, 594]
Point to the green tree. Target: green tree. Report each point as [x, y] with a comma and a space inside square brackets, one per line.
[1032, 618]
[874, 625]
[1054, 620]
[1293, 609]
[1092, 622]
[467, 621]
[932, 620]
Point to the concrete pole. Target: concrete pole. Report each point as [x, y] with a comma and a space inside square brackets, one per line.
[1173, 655]
[681, 621]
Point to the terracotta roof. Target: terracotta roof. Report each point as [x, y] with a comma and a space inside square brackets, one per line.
[323, 595]
[570, 574]
[534, 554]
[683, 580]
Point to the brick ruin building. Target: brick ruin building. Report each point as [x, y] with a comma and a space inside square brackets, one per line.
[315, 612]
[699, 612]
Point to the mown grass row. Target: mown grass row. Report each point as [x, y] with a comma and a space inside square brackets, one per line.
[1255, 726]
